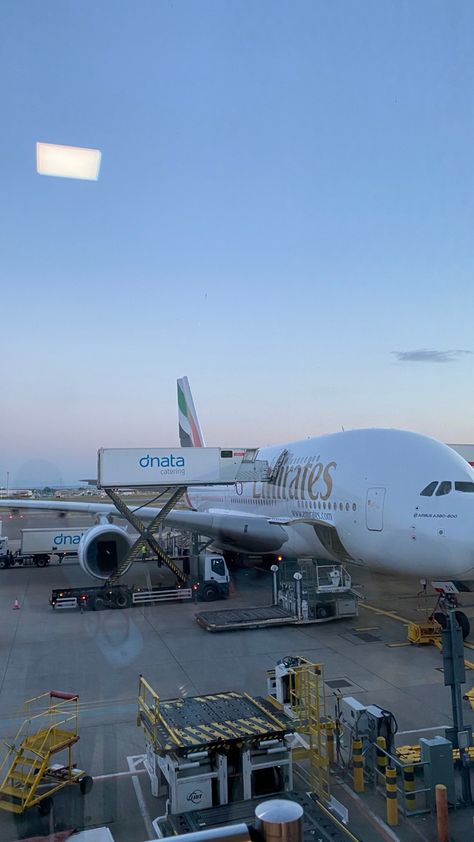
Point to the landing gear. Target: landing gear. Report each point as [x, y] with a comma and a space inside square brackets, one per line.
[446, 602]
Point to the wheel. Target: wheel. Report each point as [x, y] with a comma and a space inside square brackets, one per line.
[45, 806]
[99, 603]
[85, 784]
[42, 561]
[209, 593]
[3, 563]
[122, 600]
[322, 612]
[441, 619]
[464, 623]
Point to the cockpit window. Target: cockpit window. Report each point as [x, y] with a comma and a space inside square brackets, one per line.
[443, 488]
[428, 491]
[464, 486]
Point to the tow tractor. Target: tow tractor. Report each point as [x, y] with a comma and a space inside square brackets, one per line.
[203, 576]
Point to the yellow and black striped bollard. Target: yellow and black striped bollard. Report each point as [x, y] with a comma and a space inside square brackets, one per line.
[391, 793]
[409, 786]
[381, 757]
[358, 765]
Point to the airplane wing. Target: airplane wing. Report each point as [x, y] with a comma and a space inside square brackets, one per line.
[247, 532]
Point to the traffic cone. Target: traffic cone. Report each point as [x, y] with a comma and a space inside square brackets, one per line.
[16, 605]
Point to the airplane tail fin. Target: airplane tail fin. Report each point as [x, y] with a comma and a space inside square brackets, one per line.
[190, 434]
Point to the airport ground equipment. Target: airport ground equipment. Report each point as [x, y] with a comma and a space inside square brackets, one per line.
[305, 591]
[38, 546]
[206, 576]
[297, 688]
[176, 466]
[318, 822]
[215, 749]
[49, 732]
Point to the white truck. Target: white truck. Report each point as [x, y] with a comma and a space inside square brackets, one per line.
[38, 545]
[206, 578]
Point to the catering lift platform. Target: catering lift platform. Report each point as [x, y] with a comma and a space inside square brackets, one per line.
[174, 469]
[305, 591]
[50, 731]
[204, 751]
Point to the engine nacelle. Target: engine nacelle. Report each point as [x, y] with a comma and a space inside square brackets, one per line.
[102, 549]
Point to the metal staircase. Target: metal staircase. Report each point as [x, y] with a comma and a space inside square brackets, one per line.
[30, 776]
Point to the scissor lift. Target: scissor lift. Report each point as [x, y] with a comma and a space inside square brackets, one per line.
[205, 751]
[47, 732]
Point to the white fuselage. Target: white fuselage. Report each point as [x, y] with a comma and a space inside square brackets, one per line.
[366, 486]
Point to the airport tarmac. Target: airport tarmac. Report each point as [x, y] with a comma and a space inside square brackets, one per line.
[100, 656]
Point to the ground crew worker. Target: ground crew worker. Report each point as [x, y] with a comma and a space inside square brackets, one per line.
[143, 552]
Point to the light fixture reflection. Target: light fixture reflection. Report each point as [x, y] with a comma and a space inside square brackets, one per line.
[67, 161]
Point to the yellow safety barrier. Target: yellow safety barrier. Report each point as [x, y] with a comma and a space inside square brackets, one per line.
[358, 764]
[409, 786]
[391, 793]
[381, 757]
[419, 633]
[412, 754]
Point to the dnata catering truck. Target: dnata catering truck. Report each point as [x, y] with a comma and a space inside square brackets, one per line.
[203, 576]
[38, 545]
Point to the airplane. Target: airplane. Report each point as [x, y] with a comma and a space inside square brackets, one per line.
[385, 499]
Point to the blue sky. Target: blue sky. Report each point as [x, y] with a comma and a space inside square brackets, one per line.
[285, 199]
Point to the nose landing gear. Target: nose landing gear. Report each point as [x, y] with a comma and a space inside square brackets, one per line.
[448, 599]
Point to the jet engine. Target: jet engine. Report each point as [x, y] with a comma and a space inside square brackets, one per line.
[102, 549]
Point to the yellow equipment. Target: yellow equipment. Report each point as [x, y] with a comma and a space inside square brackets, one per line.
[30, 778]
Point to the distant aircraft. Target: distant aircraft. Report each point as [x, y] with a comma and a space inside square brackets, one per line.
[384, 499]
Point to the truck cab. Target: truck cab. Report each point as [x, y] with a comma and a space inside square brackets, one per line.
[209, 575]
[4, 552]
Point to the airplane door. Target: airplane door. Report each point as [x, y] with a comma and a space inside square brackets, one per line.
[374, 509]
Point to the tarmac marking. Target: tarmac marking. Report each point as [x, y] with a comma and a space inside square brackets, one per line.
[140, 798]
[365, 628]
[384, 613]
[112, 775]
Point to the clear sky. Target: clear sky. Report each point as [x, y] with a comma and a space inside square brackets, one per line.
[284, 213]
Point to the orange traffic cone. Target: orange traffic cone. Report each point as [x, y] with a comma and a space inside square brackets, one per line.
[16, 605]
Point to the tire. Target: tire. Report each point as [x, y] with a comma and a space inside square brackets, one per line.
[4, 563]
[322, 612]
[122, 600]
[85, 784]
[464, 623]
[209, 593]
[441, 619]
[45, 806]
[42, 561]
[99, 603]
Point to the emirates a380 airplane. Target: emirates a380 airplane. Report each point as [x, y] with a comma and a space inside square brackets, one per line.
[384, 499]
